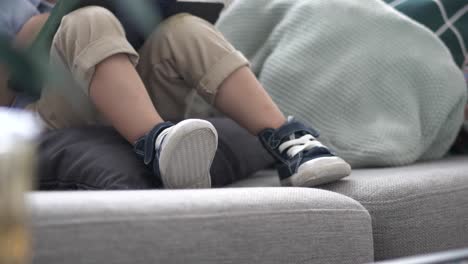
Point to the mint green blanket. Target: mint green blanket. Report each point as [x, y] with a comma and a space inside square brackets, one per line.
[383, 89]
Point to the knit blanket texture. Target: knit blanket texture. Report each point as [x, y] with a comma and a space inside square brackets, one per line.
[382, 89]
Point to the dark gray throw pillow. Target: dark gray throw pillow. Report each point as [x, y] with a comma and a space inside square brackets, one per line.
[98, 158]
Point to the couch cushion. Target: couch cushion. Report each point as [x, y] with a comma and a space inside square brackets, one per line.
[415, 209]
[266, 225]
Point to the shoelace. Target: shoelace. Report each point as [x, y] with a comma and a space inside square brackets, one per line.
[295, 146]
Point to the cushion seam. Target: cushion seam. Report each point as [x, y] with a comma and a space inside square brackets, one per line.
[413, 197]
[355, 212]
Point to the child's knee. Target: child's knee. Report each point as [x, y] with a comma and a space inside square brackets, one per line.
[192, 41]
[86, 37]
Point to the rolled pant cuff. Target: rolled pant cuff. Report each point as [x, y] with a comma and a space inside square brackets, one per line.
[210, 83]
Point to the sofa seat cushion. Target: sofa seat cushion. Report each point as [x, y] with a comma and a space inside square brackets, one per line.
[416, 209]
[264, 225]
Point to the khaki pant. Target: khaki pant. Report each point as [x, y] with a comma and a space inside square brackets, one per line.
[184, 58]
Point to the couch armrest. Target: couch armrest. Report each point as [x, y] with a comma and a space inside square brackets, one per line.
[257, 225]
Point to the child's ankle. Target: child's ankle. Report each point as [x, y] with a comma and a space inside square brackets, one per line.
[145, 146]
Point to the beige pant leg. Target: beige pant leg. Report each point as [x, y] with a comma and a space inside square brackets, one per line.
[85, 38]
[184, 56]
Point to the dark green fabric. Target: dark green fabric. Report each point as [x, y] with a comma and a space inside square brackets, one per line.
[43, 42]
[451, 41]
[20, 66]
[423, 11]
[39, 49]
[429, 13]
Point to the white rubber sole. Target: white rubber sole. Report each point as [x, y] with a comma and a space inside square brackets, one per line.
[319, 171]
[187, 154]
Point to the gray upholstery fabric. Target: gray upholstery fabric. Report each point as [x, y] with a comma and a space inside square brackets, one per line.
[417, 209]
[267, 225]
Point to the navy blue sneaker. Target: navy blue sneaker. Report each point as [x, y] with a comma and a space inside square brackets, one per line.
[302, 160]
[180, 155]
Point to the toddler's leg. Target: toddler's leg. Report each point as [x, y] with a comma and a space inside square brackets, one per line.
[129, 110]
[91, 45]
[188, 53]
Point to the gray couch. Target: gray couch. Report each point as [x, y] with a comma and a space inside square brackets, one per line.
[374, 214]
[417, 209]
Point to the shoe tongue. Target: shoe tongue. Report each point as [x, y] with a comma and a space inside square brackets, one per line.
[293, 136]
[161, 137]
